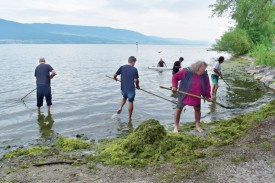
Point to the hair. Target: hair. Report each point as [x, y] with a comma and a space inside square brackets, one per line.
[132, 59]
[181, 59]
[221, 59]
[42, 60]
[197, 65]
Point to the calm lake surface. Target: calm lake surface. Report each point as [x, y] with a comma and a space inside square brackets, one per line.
[85, 100]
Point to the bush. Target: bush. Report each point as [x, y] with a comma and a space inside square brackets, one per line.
[235, 41]
[264, 56]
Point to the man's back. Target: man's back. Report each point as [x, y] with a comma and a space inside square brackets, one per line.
[42, 74]
[176, 66]
[128, 74]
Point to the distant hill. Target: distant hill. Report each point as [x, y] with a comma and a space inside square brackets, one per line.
[46, 33]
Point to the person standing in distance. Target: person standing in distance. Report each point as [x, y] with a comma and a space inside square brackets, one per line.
[161, 63]
[194, 81]
[177, 65]
[129, 81]
[216, 73]
[44, 73]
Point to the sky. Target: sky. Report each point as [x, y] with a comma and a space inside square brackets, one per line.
[186, 19]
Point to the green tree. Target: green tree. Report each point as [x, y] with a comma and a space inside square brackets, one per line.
[255, 17]
[235, 41]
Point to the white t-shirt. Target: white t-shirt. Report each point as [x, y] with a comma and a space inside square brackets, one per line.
[216, 65]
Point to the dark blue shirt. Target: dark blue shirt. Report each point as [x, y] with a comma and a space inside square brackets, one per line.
[42, 74]
[128, 75]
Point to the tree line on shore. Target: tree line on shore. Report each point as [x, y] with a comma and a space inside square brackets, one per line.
[254, 30]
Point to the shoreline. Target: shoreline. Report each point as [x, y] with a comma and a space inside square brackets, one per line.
[265, 74]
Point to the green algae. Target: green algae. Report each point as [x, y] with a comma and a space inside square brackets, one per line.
[69, 144]
[32, 151]
[138, 149]
[62, 144]
[150, 143]
[266, 146]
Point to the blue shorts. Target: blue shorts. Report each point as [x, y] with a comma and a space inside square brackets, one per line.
[181, 105]
[130, 95]
[41, 92]
[214, 79]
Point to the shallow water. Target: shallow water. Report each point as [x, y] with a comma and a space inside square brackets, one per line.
[85, 101]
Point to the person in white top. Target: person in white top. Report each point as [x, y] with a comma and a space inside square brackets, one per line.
[216, 73]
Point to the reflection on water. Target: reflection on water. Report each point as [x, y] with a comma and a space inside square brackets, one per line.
[213, 106]
[124, 128]
[45, 125]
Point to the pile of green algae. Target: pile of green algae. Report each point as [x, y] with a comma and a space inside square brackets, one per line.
[151, 144]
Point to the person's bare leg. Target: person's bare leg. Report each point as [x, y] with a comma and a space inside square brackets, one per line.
[177, 119]
[214, 90]
[198, 118]
[49, 108]
[123, 101]
[38, 109]
[131, 108]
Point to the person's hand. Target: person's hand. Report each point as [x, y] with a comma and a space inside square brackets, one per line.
[208, 99]
[52, 75]
[138, 87]
[174, 89]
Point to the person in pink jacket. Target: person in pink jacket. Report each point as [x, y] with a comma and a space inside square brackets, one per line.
[194, 80]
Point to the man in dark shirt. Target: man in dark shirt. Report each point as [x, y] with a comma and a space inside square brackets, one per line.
[129, 81]
[177, 65]
[161, 63]
[43, 73]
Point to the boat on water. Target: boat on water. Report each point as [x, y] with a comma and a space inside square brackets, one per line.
[160, 68]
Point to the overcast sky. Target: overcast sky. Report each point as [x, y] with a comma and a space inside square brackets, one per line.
[188, 19]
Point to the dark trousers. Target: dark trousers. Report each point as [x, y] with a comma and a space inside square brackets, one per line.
[43, 91]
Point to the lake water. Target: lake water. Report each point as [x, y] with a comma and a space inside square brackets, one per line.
[85, 100]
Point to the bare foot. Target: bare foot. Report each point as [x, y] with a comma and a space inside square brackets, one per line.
[176, 130]
[119, 111]
[199, 129]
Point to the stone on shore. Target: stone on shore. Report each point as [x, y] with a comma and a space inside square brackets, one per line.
[265, 74]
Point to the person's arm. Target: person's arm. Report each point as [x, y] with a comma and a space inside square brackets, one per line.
[165, 64]
[118, 72]
[178, 65]
[176, 78]
[137, 83]
[53, 73]
[219, 73]
[115, 76]
[208, 89]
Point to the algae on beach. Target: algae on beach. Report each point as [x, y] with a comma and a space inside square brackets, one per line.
[150, 144]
